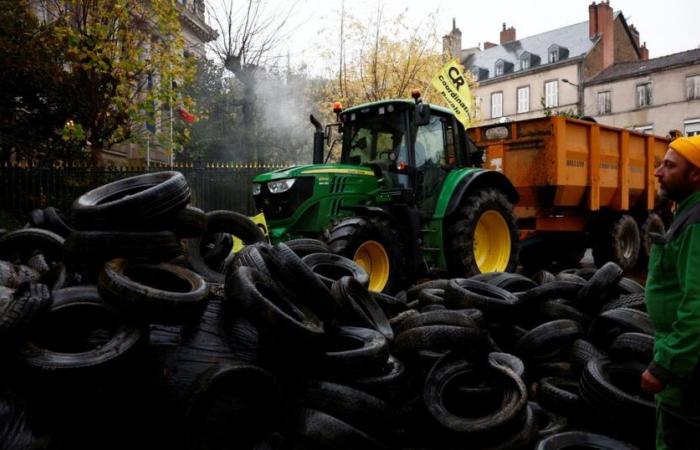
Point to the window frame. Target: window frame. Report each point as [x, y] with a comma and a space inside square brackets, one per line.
[553, 55]
[493, 94]
[696, 87]
[648, 100]
[607, 109]
[517, 99]
[687, 122]
[554, 82]
[525, 58]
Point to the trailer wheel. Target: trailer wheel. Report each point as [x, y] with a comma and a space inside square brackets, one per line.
[375, 246]
[652, 224]
[484, 237]
[617, 241]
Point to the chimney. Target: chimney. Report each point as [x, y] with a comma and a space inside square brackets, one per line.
[488, 45]
[644, 51]
[507, 35]
[635, 34]
[600, 25]
[452, 42]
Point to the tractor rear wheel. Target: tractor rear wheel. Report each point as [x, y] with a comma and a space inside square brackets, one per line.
[618, 241]
[375, 246]
[484, 236]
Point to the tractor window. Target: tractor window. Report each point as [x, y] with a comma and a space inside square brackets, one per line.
[378, 141]
[434, 148]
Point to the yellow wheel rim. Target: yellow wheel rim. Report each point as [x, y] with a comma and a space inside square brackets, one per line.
[492, 242]
[372, 257]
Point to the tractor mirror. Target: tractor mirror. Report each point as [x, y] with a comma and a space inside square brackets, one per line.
[329, 134]
[422, 114]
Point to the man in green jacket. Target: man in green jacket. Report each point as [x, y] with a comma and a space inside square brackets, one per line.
[673, 302]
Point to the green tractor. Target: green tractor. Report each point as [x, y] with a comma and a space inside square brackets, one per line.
[406, 199]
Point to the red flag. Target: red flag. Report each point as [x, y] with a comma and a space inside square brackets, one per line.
[186, 115]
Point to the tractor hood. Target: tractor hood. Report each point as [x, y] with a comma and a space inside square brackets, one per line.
[313, 170]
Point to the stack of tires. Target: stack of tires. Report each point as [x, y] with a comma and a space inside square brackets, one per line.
[143, 329]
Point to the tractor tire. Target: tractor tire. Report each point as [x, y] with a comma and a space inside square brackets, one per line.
[484, 236]
[652, 224]
[375, 246]
[617, 241]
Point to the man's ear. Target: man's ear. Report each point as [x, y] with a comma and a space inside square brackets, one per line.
[694, 175]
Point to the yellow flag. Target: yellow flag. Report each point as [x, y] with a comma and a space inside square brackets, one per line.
[452, 85]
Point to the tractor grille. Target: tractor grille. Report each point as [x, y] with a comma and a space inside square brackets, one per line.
[338, 184]
[282, 206]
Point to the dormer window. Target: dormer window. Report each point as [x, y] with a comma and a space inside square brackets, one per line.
[503, 67]
[528, 60]
[480, 73]
[557, 53]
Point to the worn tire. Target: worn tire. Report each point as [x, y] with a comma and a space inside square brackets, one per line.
[618, 241]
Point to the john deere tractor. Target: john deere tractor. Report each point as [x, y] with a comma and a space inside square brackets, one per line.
[404, 198]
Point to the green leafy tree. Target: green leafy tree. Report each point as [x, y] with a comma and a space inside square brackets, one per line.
[119, 62]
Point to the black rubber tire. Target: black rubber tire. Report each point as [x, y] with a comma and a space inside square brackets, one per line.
[634, 301]
[592, 295]
[431, 296]
[288, 268]
[188, 223]
[253, 255]
[460, 232]
[94, 247]
[123, 341]
[360, 307]
[414, 291]
[307, 246]
[543, 277]
[20, 245]
[163, 293]
[438, 338]
[348, 235]
[331, 268]
[548, 422]
[319, 430]
[582, 440]
[353, 406]
[19, 308]
[609, 324]
[444, 317]
[513, 282]
[221, 221]
[354, 349]
[652, 224]
[238, 403]
[553, 290]
[558, 309]
[391, 305]
[618, 241]
[467, 293]
[445, 370]
[134, 202]
[269, 307]
[613, 403]
[389, 383]
[634, 347]
[55, 221]
[547, 339]
[582, 351]
[560, 395]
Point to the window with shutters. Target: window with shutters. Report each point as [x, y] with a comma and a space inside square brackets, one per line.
[496, 104]
[643, 95]
[551, 94]
[604, 102]
[692, 127]
[523, 99]
[692, 87]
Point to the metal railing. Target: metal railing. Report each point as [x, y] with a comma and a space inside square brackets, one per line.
[214, 186]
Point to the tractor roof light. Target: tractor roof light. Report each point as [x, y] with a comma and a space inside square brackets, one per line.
[415, 94]
[337, 107]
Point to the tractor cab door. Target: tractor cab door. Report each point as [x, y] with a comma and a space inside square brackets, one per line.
[435, 149]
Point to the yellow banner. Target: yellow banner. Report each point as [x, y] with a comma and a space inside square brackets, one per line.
[454, 88]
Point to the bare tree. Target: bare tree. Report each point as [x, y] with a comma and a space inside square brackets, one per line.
[248, 35]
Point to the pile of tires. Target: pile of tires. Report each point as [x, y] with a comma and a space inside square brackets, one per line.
[134, 325]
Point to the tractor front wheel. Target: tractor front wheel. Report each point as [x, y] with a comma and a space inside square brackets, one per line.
[373, 245]
[484, 236]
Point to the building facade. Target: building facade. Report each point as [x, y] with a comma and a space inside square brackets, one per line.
[524, 78]
[654, 96]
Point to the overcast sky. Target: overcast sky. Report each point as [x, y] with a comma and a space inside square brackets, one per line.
[667, 26]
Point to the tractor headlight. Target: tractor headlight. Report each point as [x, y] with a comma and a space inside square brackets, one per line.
[278, 187]
[256, 188]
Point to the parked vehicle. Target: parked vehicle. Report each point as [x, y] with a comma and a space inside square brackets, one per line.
[581, 184]
[406, 196]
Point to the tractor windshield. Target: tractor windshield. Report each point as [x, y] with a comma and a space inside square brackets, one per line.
[377, 140]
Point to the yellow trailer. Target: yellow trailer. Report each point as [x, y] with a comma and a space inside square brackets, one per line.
[581, 184]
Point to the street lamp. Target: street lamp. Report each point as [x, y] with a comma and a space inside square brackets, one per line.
[569, 82]
[579, 94]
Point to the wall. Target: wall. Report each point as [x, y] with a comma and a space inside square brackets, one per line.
[669, 107]
[568, 94]
[624, 45]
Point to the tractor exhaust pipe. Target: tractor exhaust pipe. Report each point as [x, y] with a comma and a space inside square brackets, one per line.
[318, 140]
